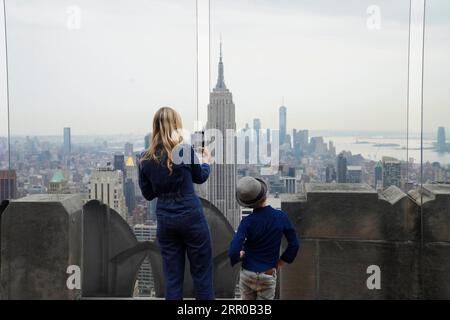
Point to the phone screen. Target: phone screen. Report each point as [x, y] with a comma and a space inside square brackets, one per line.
[198, 141]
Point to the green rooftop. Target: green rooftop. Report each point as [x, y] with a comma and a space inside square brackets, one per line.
[58, 177]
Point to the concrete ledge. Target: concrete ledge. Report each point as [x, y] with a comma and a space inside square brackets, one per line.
[354, 211]
[436, 214]
[344, 229]
[337, 269]
[40, 238]
[436, 239]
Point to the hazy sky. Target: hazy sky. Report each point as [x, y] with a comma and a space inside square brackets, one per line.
[127, 58]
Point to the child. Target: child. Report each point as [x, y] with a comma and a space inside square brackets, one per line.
[257, 241]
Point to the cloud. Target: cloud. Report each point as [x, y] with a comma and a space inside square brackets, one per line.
[128, 59]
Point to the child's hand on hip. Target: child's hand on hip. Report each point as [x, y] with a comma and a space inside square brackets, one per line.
[280, 264]
[242, 254]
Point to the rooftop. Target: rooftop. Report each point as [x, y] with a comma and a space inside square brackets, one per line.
[130, 162]
[438, 188]
[45, 198]
[58, 177]
[392, 194]
[339, 188]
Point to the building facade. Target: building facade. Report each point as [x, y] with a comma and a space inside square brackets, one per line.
[119, 163]
[221, 185]
[8, 185]
[58, 184]
[257, 131]
[378, 180]
[132, 173]
[290, 185]
[147, 141]
[283, 124]
[130, 195]
[300, 142]
[330, 174]
[441, 140]
[391, 172]
[341, 165]
[129, 149]
[67, 141]
[106, 185]
[144, 232]
[354, 174]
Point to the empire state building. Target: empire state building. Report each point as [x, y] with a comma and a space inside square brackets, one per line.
[221, 185]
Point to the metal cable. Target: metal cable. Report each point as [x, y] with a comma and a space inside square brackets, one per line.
[422, 91]
[7, 99]
[197, 59]
[209, 46]
[408, 93]
[421, 138]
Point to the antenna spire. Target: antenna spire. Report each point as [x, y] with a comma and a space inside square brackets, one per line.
[220, 80]
[221, 53]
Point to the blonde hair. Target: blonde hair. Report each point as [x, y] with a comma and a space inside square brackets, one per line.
[167, 126]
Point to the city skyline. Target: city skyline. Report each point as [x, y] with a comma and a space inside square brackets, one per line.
[372, 146]
[306, 96]
[320, 87]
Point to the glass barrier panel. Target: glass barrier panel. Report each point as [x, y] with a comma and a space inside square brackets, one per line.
[86, 78]
[317, 94]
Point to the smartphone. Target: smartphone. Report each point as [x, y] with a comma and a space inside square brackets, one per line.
[198, 141]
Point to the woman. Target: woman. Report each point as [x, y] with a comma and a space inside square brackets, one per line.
[182, 227]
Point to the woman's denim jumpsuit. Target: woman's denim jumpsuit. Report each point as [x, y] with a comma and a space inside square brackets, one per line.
[182, 226]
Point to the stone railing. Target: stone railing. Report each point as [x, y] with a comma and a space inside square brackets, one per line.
[40, 238]
[360, 244]
[54, 247]
[355, 244]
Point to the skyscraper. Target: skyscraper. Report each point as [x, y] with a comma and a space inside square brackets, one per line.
[441, 140]
[257, 128]
[132, 173]
[247, 144]
[318, 146]
[145, 275]
[106, 185]
[119, 163]
[391, 172]
[67, 141]
[330, 173]
[58, 184]
[221, 185]
[130, 195]
[8, 185]
[354, 174]
[341, 165]
[378, 175]
[288, 141]
[331, 148]
[283, 124]
[147, 140]
[128, 149]
[300, 140]
[269, 142]
[290, 184]
[151, 210]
